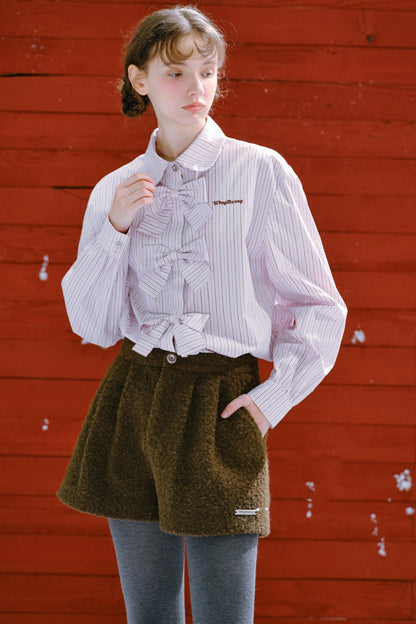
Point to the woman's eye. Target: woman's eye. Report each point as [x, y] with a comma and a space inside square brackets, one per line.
[174, 74]
[207, 74]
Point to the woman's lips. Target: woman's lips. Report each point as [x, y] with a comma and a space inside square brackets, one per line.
[193, 108]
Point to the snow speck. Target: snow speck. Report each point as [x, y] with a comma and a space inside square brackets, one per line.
[410, 511]
[403, 480]
[310, 485]
[382, 547]
[45, 425]
[43, 273]
[359, 336]
[374, 521]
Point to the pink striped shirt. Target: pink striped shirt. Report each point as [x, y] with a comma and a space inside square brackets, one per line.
[227, 259]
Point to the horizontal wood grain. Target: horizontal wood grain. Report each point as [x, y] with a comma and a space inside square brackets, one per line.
[307, 26]
[66, 56]
[345, 176]
[69, 359]
[333, 601]
[57, 399]
[28, 435]
[283, 100]
[288, 136]
[315, 559]
[73, 596]
[332, 213]
[334, 480]
[396, 5]
[345, 251]
[343, 520]
[360, 289]
[43, 320]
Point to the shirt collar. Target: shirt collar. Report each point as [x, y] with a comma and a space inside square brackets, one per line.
[199, 156]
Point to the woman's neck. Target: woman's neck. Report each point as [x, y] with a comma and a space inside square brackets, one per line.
[173, 141]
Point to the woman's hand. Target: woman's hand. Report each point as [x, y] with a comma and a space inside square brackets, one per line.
[130, 196]
[244, 401]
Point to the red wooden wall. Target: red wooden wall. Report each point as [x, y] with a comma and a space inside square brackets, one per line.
[331, 84]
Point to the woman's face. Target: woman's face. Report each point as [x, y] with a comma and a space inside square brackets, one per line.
[181, 93]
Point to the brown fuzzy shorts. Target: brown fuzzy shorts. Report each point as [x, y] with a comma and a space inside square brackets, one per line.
[154, 447]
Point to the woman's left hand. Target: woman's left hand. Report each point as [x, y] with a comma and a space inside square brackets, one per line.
[244, 401]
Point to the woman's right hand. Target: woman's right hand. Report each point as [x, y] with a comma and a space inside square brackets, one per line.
[130, 196]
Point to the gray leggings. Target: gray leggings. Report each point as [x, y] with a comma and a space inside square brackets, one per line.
[222, 574]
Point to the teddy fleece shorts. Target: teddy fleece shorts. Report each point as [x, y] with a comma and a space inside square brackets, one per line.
[153, 446]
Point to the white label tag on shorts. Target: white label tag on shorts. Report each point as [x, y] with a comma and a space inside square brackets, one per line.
[246, 512]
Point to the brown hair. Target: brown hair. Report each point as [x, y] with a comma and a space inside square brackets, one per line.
[160, 33]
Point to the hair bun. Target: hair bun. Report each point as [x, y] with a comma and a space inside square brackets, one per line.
[132, 104]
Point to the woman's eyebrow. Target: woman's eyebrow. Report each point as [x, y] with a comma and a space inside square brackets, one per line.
[176, 63]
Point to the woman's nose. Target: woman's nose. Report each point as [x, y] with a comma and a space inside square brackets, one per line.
[195, 86]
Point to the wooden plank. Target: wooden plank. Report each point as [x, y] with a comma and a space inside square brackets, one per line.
[345, 251]
[334, 480]
[360, 289]
[69, 596]
[43, 320]
[315, 559]
[396, 5]
[339, 559]
[368, 289]
[22, 282]
[66, 56]
[45, 515]
[40, 206]
[332, 213]
[338, 213]
[362, 521]
[69, 359]
[283, 100]
[375, 405]
[64, 618]
[252, 24]
[333, 601]
[291, 137]
[357, 405]
[345, 176]
[55, 436]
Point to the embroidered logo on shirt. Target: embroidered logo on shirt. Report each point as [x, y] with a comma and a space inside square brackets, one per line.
[228, 201]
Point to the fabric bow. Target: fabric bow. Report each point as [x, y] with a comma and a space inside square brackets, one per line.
[193, 199]
[158, 260]
[185, 331]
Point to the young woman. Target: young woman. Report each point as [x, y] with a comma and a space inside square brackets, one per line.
[202, 255]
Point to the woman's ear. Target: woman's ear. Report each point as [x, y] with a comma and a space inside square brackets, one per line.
[138, 79]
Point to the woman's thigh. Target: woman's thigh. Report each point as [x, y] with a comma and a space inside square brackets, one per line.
[151, 568]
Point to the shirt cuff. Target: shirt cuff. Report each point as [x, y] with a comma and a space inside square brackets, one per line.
[271, 400]
[112, 241]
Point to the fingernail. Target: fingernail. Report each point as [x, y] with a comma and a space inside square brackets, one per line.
[224, 414]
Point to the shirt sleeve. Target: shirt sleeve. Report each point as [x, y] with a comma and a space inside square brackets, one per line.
[309, 314]
[95, 287]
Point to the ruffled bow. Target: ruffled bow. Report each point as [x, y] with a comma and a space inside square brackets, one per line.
[158, 260]
[185, 330]
[194, 201]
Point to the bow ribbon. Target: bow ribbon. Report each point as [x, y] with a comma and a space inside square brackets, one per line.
[185, 331]
[193, 199]
[158, 260]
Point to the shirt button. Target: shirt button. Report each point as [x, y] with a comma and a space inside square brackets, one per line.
[175, 167]
[119, 244]
[171, 358]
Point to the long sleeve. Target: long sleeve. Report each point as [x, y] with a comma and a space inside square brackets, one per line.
[95, 287]
[309, 314]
